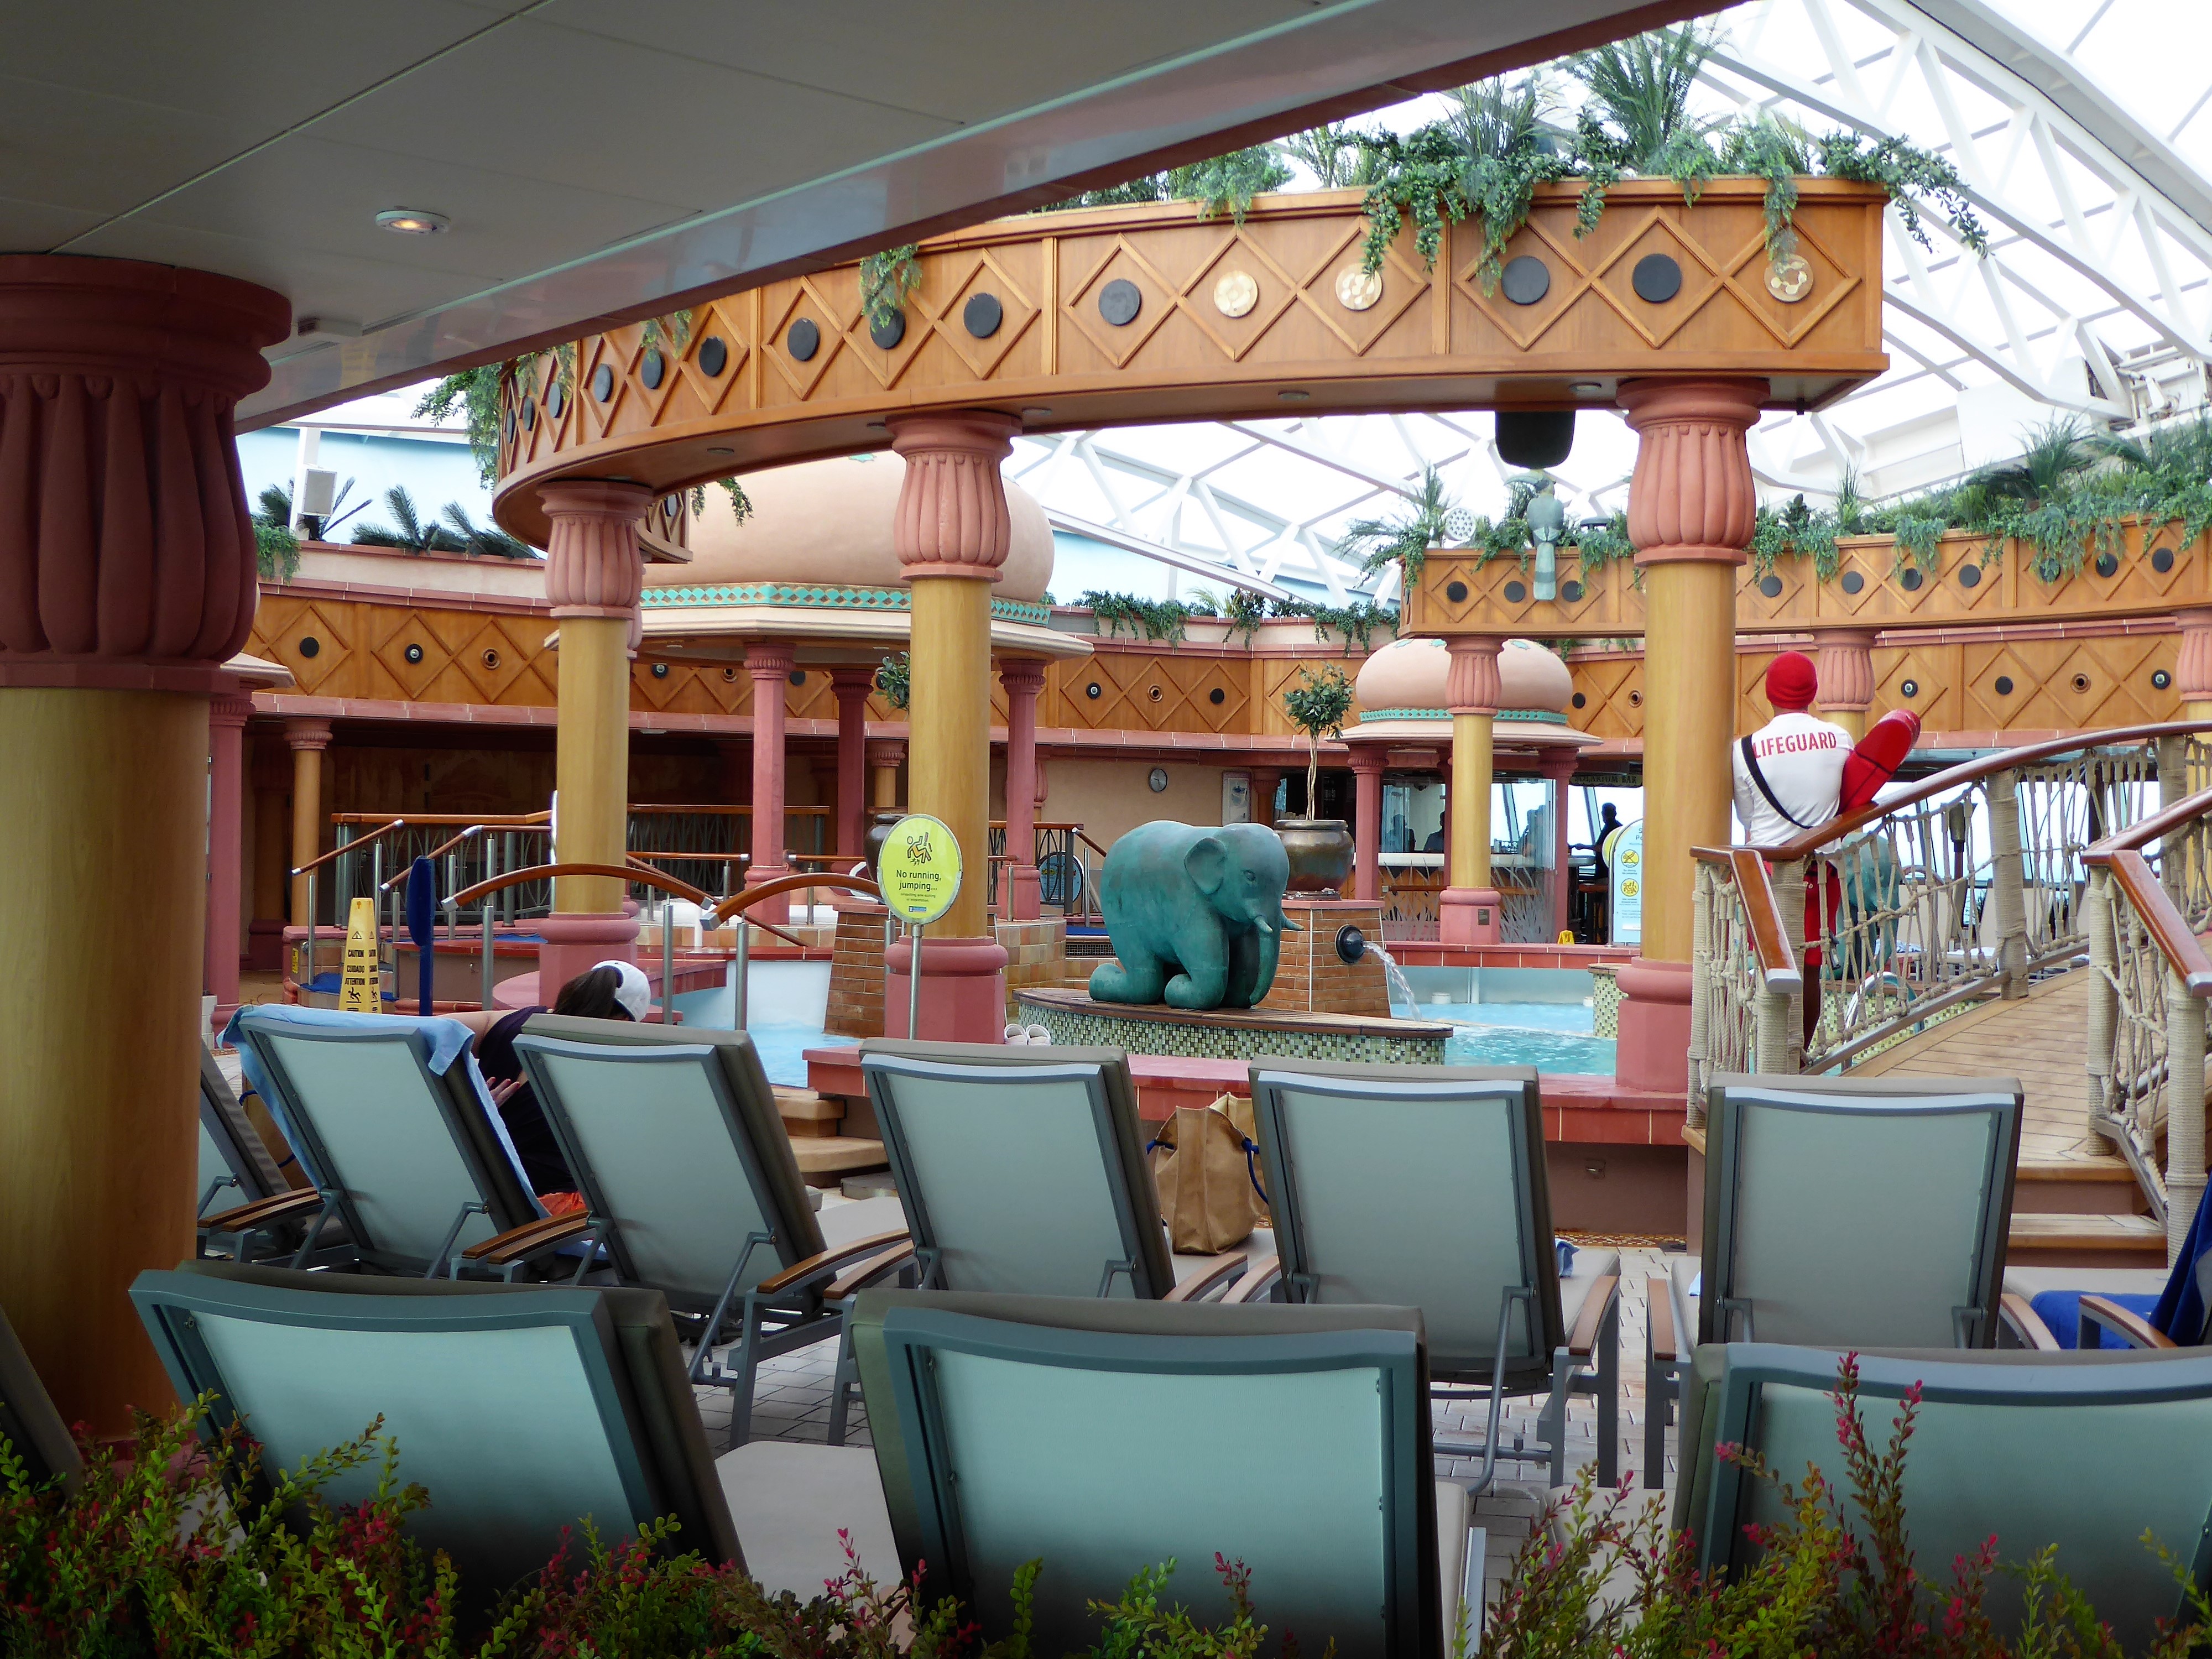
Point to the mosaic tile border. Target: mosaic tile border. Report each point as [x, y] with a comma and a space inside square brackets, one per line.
[1199, 1041]
[1605, 1001]
[825, 597]
[1531, 716]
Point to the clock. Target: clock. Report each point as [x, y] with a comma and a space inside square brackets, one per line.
[1158, 780]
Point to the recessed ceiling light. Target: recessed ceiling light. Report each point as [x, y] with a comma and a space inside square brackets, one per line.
[1586, 388]
[412, 221]
[879, 426]
[1293, 396]
[1036, 414]
[720, 449]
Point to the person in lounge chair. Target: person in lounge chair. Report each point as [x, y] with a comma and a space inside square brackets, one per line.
[1796, 773]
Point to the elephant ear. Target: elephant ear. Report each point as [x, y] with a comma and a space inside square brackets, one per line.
[1207, 862]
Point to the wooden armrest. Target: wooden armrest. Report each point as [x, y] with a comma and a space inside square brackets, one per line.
[1659, 1318]
[815, 1264]
[1227, 1270]
[2131, 1329]
[2025, 1323]
[1259, 1278]
[855, 1279]
[1582, 1341]
[518, 1243]
[262, 1211]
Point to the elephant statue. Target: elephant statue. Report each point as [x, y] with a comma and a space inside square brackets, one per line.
[1195, 915]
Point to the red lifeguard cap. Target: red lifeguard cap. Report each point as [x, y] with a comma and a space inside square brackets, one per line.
[1791, 682]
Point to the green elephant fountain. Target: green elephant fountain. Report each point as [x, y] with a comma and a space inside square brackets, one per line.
[1195, 915]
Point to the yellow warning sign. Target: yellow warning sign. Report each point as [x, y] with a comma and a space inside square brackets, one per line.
[361, 984]
[919, 869]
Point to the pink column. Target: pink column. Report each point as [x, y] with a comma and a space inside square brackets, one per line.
[851, 687]
[1367, 822]
[769, 664]
[1558, 768]
[227, 712]
[1024, 678]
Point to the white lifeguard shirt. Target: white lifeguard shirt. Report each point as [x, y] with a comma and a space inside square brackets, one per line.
[1802, 761]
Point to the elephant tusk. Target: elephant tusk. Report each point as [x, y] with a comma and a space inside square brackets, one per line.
[1289, 927]
[1263, 927]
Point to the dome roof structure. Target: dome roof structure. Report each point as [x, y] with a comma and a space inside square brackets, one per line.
[828, 523]
[1410, 676]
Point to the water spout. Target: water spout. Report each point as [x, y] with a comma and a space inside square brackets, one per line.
[1394, 978]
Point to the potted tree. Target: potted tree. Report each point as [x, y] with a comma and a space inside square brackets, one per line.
[1320, 849]
[894, 683]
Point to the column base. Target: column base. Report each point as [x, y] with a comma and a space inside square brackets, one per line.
[1025, 894]
[1467, 915]
[1654, 1048]
[576, 943]
[963, 989]
[265, 947]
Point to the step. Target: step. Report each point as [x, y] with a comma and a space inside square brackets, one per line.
[2076, 1186]
[804, 1106]
[825, 1160]
[2086, 1241]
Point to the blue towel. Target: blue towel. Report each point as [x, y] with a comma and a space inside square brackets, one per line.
[2177, 1311]
[2061, 1311]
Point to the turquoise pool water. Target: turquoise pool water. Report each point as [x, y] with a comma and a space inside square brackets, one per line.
[1553, 1037]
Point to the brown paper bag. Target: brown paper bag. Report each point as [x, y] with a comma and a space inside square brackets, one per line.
[1205, 1167]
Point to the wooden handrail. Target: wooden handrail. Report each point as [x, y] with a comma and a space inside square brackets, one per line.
[1770, 940]
[1967, 771]
[2136, 837]
[357, 844]
[493, 820]
[752, 895]
[683, 889]
[2168, 929]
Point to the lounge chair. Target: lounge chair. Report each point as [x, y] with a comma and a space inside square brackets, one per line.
[1106, 1436]
[233, 1154]
[34, 1429]
[692, 1188]
[1424, 1186]
[2059, 1308]
[524, 1409]
[2085, 1451]
[390, 1118]
[1841, 1212]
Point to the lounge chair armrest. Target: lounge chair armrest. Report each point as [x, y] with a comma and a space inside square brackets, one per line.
[299, 1202]
[1259, 1278]
[1604, 1294]
[1659, 1313]
[2015, 1314]
[792, 1275]
[1229, 1268]
[856, 1278]
[2131, 1329]
[519, 1243]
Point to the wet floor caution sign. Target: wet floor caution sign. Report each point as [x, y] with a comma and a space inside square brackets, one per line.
[361, 984]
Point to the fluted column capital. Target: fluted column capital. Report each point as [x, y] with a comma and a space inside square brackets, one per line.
[769, 659]
[1022, 676]
[594, 566]
[2192, 670]
[851, 682]
[127, 556]
[952, 519]
[886, 753]
[313, 736]
[230, 710]
[1845, 668]
[1471, 684]
[1691, 496]
[1367, 758]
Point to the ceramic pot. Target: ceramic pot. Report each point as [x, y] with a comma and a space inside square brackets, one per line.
[1320, 852]
[879, 831]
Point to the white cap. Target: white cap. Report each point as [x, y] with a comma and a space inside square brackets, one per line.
[633, 990]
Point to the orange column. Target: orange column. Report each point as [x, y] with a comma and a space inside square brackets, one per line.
[307, 739]
[228, 714]
[1024, 678]
[951, 533]
[127, 578]
[1467, 908]
[1690, 515]
[1559, 769]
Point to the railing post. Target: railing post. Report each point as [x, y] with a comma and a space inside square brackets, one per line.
[1784, 1051]
[1701, 988]
[2185, 1111]
[2103, 996]
[2007, 878]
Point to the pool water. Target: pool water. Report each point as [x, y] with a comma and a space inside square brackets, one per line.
[782, 1050]
[1553, 1037]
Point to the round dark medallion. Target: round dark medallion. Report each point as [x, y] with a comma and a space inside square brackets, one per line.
[1217, 696]
[803, 340]
[310, 645]
[1910, 688]
[713, 355]
[1570, 592]
[1580, 701]
[1853, 581]
[1120, 301]
[2107, 565]
[983, 313]
[2162, 560]
[1635, 699]
[799, 677]
[530, 416]
[413, 653]
[660, 670]
[1094, 690]
[2160, 679]
[1970, 576]
[556, 400]
[729, 676]
[1154, 694]
[1909, 581]
[890, 332]
[2004, 685]
[1771, 587]
[1456, 592]
[491, 658]
[1657, 278]
[603, 382]
[508, 426]
[2080, 682]
[654, 370]
[1526, 280]
[1515, 592]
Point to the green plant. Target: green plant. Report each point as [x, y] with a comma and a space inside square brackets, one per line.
[1404, 540]
[1641, 89]
[1227, 184]
[1147, 619]
[276, 549]
[886, 279]
[895, 678]
[1333, 152]
[413, 533]
[488, 540]
[1317, 705]
[1201, 602]
[1354, 624]
[1247, 610]
[475, 395]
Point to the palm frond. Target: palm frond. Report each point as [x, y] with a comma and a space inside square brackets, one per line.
[1642, 87]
